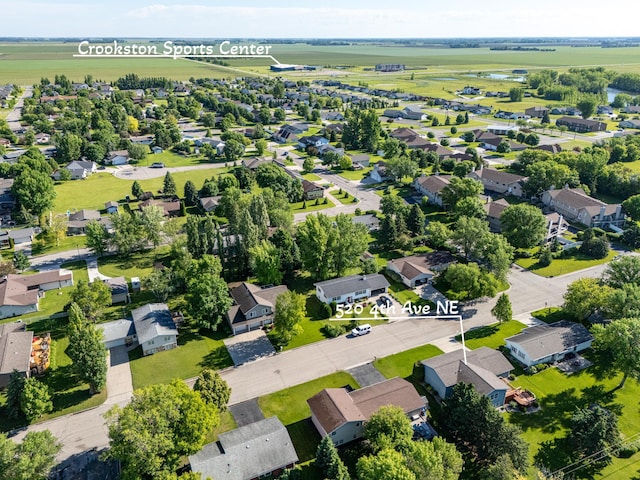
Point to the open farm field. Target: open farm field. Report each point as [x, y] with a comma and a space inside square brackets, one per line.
[26, 63]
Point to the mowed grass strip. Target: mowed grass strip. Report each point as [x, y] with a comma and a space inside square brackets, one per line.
[491, 336]
[99, 188]
[401, 364]
[195, 352]
[562, 266]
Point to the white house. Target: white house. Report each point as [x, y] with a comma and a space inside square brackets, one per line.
[19, 294]
[155, 328]
[379, 172]
[351, 289]
[119, 290]
[118, 333]
[117, 157]
[341, 414]
[78, 169]
[548, 342]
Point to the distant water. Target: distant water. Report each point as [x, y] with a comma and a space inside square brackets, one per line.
[499, 76]
[612, 92]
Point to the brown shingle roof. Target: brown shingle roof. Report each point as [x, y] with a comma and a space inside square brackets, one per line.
[495, 209]
[22, 290]
[416, 265]
[434, 183]
[497, 176]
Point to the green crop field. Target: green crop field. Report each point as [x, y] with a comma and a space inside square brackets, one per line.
[26, 63]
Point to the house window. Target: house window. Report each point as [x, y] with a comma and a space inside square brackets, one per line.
[521, 354]
[361, 292]
[264, 311]
[333, 434]
[358, 424]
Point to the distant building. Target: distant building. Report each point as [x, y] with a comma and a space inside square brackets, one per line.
[576, 206]
[581, 125]
[389, 67]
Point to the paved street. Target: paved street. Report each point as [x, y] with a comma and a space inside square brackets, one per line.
[13, 117]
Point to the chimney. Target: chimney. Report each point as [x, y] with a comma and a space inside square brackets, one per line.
[602, 209]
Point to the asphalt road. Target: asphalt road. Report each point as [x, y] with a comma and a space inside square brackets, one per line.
[13, 117]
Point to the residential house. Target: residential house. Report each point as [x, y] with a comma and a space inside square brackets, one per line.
[341, 414]
[369, 220]
[392, 113]
[324, 149]
[42, 138]
[389, 67]
[19, 294]
[170, 208]
[632, 109]
[604, 110]
[117, 157]
[493, 143]
[556, 226]
[22, 235]
[499, 181]
[576, 206]
[156, 150]
[7, 201]
[5, 241]
[142, 139]
[119, 290]
[581, 125]
[15, 351]
[416, 270]
[288, 133]
[494, 211]
[468, 90]
[78, 221]
[431, 186]
[218, 145]
[360, 160]
[351, 289]
[111, 207]
[500, 129]
[546, 343]
[257, 450]
[118, 333]
[155, 328]
[552, 149]
[78, 169]
[209, 204]
[413, 112]
[403, 134]
[379, 172]
[254, 162]
[629, 124]
[312, 141]
[312, 190]
[484, 368]
[536, 112]
[253, 306]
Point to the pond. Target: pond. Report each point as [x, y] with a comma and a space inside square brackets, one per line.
[499, 76]
[612, 92]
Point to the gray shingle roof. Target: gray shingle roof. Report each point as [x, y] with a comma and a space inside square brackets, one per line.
[153, 320]
[246, 452]
[353, 283]
[541, 341]
[483, 366]
[15, 347]
[117, 329]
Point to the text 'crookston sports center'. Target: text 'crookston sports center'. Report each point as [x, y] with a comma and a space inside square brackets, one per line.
[171, 49]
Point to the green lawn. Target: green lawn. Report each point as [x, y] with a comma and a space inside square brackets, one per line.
[403, 294]
[171, 159]
[549, 314]
[54, 301]
[312, 324]
[354, 174]
[99, 188]
[196, 351]
[345, 198]
[311, 206]
[42, 246]
[401, 364]
[136, 264]
[312, 177]
[559, 395]
[561, 266]
[491, 336]
[290, 406]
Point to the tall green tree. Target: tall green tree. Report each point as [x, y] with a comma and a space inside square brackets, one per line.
[35, 400]
[329, 462]
[136, 189]
[437, 233]
[290, 310]
[387, 428]
[160, 282]
[459, 188]
[265, 263]
[21, 261]
[169, 186]
[434, 460]
[386, 465]
[523, 225]
[87, 350]
[587, 106]
[348, 241]
[32, 459]
[213, 389]
[161, 424]
[584, 297]
[625, 270]
[502, 309]
[480, 432]
[97, 237]
[34, 191]
[415, 220]
[594, 430]
[190, 193]
[621, 340]
[91, 298]
[207, 298]
[14, 394]
[497, 254]
[469, 235]
[128, 233]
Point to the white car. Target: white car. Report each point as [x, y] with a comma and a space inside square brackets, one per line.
[361, 330]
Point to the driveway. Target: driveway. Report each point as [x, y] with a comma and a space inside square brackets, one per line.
[87, 430]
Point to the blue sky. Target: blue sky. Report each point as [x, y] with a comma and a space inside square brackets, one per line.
[319, 18]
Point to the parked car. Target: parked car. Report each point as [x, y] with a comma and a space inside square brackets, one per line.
[157, 165]
[361, 330]
[386, 301]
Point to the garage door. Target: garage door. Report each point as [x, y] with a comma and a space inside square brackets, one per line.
[239, 329]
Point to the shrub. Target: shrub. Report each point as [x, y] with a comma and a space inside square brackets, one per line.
[332, 330]
[326, 311]
[545, 257]
[334, 307]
